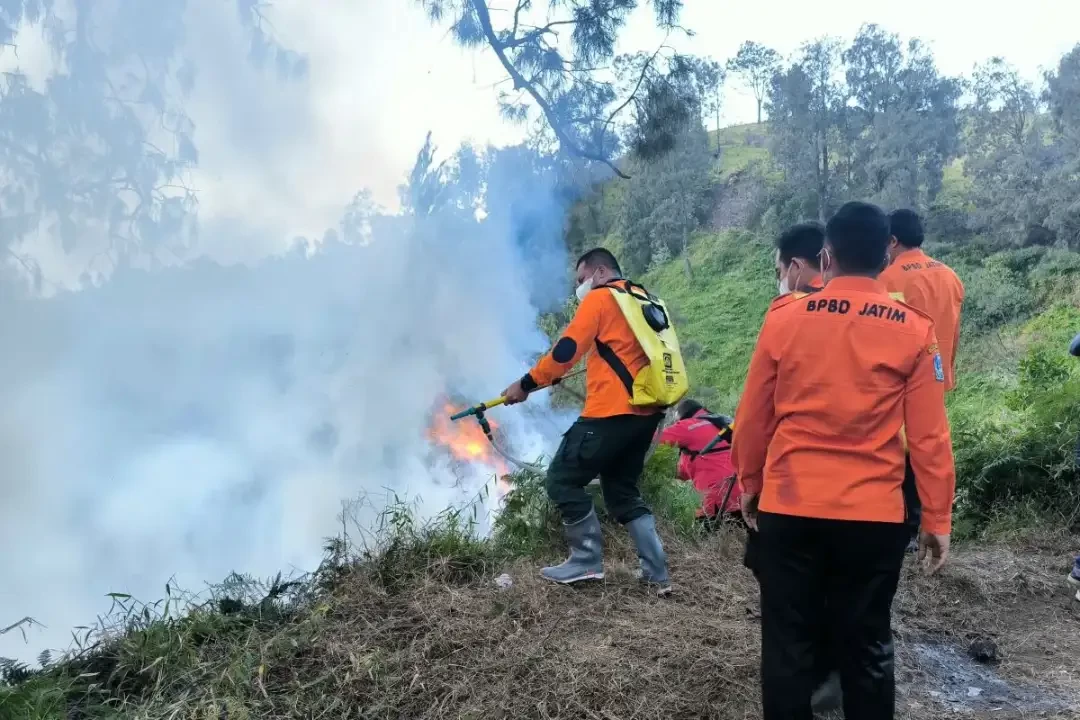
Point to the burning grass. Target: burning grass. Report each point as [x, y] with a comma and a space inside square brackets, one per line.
[464, 440]
[416, 627]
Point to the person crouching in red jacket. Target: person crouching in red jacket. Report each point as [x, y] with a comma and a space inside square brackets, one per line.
[711, 472]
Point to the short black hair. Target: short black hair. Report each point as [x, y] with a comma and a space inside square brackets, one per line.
[859, 236]
[906, 226]
[599, 257]
[801, 241]
[687, 408]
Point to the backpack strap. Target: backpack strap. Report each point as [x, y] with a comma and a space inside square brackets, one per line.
[724, 433]
[631, 288]
[617, 365]
[604, 350]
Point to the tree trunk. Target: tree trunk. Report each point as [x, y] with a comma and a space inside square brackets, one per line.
[686, 254]
[718, 129]
[823, 191]
[759, 111]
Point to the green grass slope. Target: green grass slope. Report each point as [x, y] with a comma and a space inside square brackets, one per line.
[718, 311]
[739, 148]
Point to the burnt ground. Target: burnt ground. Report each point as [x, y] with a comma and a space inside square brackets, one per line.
[1008, 598]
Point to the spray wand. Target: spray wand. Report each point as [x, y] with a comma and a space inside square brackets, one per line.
[477, 411]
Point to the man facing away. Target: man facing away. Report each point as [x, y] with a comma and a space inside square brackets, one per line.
[834, 376]
[931, 287]
[609, 440]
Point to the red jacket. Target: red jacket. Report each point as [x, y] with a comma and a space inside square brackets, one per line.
[709, 472]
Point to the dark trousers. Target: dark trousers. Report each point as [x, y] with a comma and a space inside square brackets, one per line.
[613, 449]
[912, 503]
[826, 658]
[834, 579]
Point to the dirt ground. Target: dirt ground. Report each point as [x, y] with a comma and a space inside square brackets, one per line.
[610, 650]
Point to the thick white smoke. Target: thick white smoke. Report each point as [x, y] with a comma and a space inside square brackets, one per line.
[204, 418]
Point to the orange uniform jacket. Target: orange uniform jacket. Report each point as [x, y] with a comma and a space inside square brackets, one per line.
[597, 324]
[834, 376]
[934, 289]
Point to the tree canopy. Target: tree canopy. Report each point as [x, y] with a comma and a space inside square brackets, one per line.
[559, 56]
[755, 64]
[106, 145]
[875, 120]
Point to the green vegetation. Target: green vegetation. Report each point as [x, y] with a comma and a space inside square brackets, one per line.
[411, 625]
[719, 312]
[741, 147]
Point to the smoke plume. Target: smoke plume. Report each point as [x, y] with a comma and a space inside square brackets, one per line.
[209, 409]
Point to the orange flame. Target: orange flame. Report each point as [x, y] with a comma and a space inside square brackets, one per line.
[464, 439]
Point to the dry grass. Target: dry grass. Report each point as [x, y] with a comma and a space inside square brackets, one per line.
[448, 643]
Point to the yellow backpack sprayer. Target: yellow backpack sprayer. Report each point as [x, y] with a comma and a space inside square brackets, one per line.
[660, 384]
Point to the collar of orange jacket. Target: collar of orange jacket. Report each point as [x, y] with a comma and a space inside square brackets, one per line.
[857, 283]
[815, 283]
[909, 255]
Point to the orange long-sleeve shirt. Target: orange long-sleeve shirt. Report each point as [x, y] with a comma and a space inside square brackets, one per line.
[834, 376]
[598, 323]
[931, 287]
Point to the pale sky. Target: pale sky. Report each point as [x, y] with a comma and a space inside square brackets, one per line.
[413, 78]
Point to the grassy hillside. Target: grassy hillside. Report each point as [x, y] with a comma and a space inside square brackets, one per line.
[719, 311]
[739, 147]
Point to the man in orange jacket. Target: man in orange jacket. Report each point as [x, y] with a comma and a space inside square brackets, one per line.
[931, 287]
[834, 376]
[798, 251]
[610, 439]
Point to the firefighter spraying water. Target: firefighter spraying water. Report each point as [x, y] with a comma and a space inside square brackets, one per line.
[634, 372]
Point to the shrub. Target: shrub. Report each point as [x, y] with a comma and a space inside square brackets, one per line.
[995, 295]
[1025, 454]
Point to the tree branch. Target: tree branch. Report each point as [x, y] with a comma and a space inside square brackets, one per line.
[644, 71]
[517, 15]
[521, 83]
[535, 34]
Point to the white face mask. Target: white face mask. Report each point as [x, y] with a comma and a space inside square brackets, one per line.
[784, 283]
[583, 289]
[585, 286]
